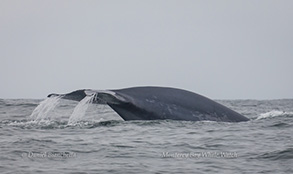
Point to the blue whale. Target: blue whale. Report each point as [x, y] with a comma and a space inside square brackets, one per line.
[158, 103]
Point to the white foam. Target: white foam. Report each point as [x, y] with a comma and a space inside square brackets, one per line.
[80, 110]
[43, 110]
[273, 113]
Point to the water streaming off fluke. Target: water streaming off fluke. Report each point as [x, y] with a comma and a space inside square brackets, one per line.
[80, 109]
[42, 111]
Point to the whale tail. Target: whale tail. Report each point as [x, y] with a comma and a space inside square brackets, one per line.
[154, 103]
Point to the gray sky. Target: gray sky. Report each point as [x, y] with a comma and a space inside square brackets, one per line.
[223, 49]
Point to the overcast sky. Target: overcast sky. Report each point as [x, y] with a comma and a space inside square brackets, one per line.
[223, 49]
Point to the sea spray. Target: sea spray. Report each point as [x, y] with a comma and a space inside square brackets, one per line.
[273, 113]
[42, 111]
[79, 111]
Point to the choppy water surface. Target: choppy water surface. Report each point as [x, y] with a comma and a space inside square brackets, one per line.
[99, 141]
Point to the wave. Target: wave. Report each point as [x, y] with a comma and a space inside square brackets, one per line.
[89, 124]
[54, 124]
[19, 102]
[285, 154]
[274, 113]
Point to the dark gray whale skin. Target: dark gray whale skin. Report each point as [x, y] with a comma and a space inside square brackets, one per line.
[158, 103]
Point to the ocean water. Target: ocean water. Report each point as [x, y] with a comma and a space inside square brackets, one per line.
[85, 138]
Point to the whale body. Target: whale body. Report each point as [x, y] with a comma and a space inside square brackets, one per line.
[158, 103]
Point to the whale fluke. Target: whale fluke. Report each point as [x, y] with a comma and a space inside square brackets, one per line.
[157, 103]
